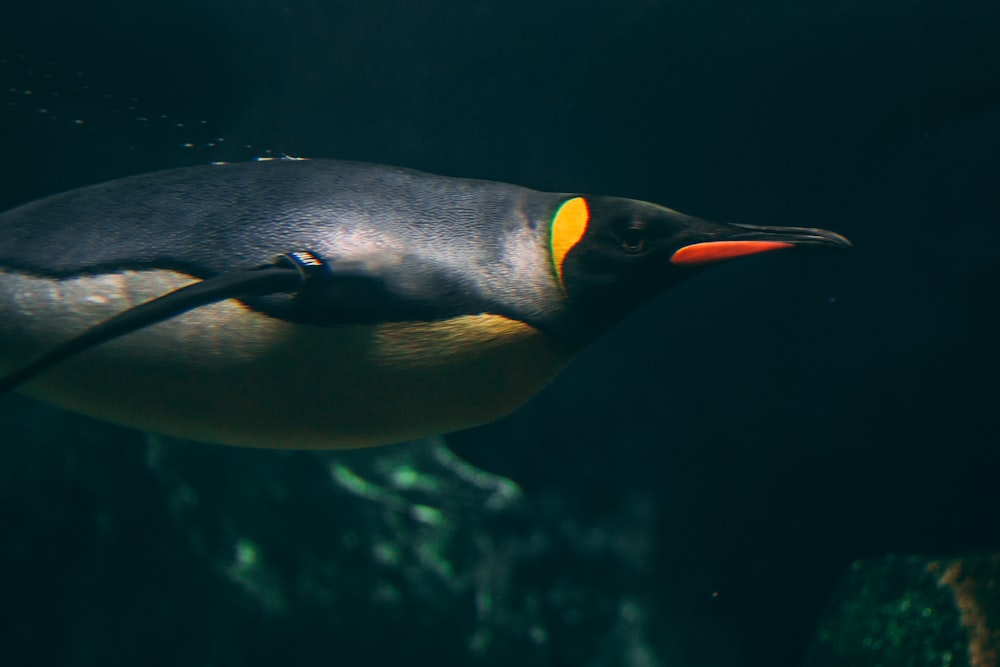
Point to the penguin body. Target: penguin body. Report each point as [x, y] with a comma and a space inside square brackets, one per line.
[416, 235]
[444, 302]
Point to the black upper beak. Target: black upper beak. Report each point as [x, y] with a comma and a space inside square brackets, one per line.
[793, 235]
[733, 240]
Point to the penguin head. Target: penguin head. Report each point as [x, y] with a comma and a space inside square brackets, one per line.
[610, 254]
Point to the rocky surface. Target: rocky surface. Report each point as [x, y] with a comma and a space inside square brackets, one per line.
[913, 611]
[121, 548]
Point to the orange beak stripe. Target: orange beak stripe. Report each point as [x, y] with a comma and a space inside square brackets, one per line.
[716, 251]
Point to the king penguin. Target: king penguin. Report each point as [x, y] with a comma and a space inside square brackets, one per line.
[327, 304]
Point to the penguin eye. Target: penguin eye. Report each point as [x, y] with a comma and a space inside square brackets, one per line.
[633, 239]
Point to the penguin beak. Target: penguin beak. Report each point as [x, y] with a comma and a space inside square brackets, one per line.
[737, 240]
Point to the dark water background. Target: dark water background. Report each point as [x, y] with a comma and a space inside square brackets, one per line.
[689, 491]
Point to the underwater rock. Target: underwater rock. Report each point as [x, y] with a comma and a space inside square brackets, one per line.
[122, 548]
[913, 611]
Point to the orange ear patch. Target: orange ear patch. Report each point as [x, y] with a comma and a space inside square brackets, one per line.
[569, 224]
[716, 251]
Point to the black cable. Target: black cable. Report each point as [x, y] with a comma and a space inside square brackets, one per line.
[288, 273]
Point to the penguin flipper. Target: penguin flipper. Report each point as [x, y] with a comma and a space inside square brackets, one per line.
[289, 273]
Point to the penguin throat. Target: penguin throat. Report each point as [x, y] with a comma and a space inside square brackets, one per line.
[569, 224]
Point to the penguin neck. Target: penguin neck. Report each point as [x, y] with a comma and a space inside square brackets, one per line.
[577, 328]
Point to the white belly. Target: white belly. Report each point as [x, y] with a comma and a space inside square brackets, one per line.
[226, 374]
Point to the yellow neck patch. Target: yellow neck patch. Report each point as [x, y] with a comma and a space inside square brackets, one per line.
[568, 226]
